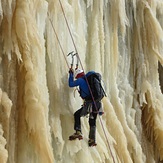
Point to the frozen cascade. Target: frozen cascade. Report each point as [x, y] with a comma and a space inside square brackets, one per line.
[121, 39]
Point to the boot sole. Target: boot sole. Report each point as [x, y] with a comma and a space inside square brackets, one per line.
[80, 138]
[92, 144]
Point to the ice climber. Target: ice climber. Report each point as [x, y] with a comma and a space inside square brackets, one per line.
[88, 107]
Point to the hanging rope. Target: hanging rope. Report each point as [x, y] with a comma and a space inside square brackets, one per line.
[78, 58]
[58, 40]
[86, 79]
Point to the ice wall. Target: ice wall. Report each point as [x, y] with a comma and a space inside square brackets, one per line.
[121, 39]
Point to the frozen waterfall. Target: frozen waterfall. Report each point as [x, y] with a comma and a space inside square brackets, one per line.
[121, 39]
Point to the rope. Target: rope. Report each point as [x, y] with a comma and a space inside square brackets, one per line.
[86, 80]
[71, 34]
[58, 40]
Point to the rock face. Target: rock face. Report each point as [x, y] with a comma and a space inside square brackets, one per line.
[121, 39]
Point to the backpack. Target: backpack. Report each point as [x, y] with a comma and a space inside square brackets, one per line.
[94, 81]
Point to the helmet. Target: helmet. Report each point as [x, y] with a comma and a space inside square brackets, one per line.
[78, 73]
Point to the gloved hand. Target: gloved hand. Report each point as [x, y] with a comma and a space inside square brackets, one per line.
[71, 71]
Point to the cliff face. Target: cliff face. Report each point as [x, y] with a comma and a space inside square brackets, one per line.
[121, 39]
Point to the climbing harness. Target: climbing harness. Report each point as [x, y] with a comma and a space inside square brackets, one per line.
[78, 60]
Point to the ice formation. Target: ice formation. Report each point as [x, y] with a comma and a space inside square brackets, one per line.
[121, 39]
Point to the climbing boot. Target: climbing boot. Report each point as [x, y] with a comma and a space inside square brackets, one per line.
[76, 135]
[91, 143]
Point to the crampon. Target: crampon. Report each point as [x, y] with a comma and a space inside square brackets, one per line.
[76, 135]
[91, 143]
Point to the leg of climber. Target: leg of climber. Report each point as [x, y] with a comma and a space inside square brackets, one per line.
[92, 124]
[92, 132]
[77, 126]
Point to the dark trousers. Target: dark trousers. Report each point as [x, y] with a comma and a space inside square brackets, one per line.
[84, 110]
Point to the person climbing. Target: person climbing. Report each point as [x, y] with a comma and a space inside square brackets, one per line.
[88, 107]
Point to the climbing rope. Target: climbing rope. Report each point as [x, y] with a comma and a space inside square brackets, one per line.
[58, 40]
[78, 58]
[86, 80]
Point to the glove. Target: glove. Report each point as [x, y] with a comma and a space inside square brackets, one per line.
[71, 71]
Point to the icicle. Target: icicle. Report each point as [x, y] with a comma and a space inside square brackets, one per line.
[3, 151]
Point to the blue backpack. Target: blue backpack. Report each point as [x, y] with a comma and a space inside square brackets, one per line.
[94, 81]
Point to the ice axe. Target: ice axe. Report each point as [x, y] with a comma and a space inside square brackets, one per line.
[72, 55]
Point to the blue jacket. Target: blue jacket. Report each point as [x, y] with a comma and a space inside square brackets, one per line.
[83, 86]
